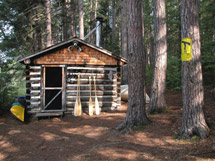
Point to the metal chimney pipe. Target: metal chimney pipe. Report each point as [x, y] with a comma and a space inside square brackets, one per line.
[98, 30]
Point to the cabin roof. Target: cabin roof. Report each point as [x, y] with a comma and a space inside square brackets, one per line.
[68, 43]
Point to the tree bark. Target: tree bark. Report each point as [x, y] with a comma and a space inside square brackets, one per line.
[92, 21]
[193, 119]
[113, 13]
[96, 8]
[48, 23]
[72, 14]
[157, 100]
[81, 19]
[65, 14]
[124, 40]
[136, 115]
[149, 47]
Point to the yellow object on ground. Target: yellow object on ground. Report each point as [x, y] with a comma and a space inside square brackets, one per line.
[186, 49]
[18, 111]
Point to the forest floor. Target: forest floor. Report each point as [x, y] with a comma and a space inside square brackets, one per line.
[94, 138]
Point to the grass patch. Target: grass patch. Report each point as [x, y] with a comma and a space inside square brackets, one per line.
[138, 128]
[160, 110]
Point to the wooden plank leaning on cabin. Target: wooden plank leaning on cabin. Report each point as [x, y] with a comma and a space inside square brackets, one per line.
[43, 77]
[64, 71]
[106, 87]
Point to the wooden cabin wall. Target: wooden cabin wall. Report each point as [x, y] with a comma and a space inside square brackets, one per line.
[107, 78]
[33, 88]
[108, 81]
[88, 56]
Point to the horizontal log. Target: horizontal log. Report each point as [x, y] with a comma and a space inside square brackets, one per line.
[103, 76]
[33, 111]
[86, 104]
[34, 73]
[92, 68]
[87, 93]
[35, 103]
[86, 81]
[97, 85]
[35, 78]
[35, 85]
[85, 109]
[90, 74]
[82, 87]
[35, 91]
[35, 97]
[86, 98]
[34, 100]
[35, 67]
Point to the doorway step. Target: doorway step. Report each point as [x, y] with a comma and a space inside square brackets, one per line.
[49, 114]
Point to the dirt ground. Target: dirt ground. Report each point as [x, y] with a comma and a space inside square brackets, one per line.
[94, 138]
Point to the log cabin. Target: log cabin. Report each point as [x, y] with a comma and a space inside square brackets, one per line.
[51, 77]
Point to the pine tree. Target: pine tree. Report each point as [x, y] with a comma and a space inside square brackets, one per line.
[157, 100]
[193, 119]
[136, 115]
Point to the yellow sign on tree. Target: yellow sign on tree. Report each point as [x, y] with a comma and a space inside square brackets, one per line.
[186, 49]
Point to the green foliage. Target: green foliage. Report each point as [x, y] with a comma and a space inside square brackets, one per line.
[173, 80]
[173, 27]
[12, 83]
[149, 73]
[208, 67]
[207, 31]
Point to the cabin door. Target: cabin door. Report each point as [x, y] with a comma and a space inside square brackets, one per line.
[53, 89]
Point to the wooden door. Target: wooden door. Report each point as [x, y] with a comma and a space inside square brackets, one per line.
[53, 88]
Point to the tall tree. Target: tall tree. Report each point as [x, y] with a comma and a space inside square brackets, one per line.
[113, 17]
[160, 52]
[136, 115]
[124, 40]
[48, 23]
[92, 24]
[148, 38]
[66, 18]
[193, 119]
[73, 24]
[81, 19]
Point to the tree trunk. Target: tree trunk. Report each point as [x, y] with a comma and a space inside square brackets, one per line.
[92, 22]
[113, 10]
[81, 19]
[136, 115]
[48, 23]
[157, 100]
[96, 8]
[193, 119]
[72, 15]
[149, 47]
[124, 41]
[65, 11]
